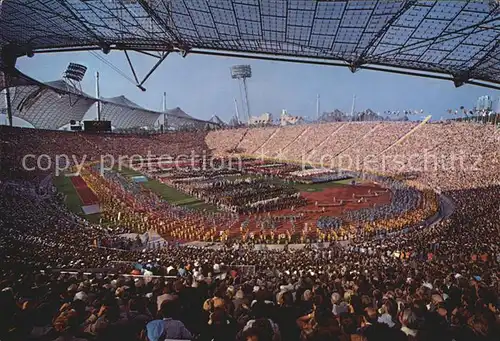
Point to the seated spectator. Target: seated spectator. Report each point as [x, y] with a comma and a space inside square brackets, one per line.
[67, 326]
[338, 305]
[168, 327]
[221, 327]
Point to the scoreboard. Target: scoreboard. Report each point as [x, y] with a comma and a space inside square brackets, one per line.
[97, 126]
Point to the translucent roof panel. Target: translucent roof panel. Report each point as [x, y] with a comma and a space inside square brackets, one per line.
[124, 114]
[459, 38]
[54, 104]
[44, 107]
[127, 117]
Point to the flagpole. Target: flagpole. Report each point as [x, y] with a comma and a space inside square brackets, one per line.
[164, 107]
[317, 106]
[353, 105]
[98, 96]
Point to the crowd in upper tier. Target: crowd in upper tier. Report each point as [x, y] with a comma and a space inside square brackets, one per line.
[443, 156]
[75, 148]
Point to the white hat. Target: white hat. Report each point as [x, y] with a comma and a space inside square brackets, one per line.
[428, 285]
[80, 296]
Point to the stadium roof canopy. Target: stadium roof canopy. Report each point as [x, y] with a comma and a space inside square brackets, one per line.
[457, 40]
[54, 104]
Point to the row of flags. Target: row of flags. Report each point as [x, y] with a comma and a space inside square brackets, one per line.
[408, 112]
[471, 112]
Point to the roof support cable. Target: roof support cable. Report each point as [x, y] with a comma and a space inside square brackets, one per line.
[113, 67]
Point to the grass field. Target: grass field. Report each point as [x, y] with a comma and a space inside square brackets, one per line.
[301, 187]
[321, 186]
[168, 193]
[72, 201]
[178, 198]
[316, 187]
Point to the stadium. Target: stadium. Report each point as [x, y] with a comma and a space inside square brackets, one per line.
[157, 225]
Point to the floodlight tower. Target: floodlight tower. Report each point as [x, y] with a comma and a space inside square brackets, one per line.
[237, 113]
[353, 107]
[73, 76]
[242, 72]
[317, 107]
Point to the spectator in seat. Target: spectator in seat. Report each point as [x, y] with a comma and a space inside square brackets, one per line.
[168, 327]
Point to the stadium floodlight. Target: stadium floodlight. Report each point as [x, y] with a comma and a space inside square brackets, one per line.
[73, 77]
[75, 72]
[242, 72]
[494, 6]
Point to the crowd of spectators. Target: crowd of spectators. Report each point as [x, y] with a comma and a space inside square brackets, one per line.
[279, 142]
[254, 139]
[367, 148]
[343, 138]
[438, 282]
[316, 135]
[231, 140]
[444, 156]
[75, 148]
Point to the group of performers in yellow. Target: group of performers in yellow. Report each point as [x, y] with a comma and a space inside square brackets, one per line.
[121, 208]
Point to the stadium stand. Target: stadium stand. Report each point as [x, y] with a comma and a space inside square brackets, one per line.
[374, 141]
[254, 139]
[281, 139]
[65, 278]
[227, 144]
[436, 283]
